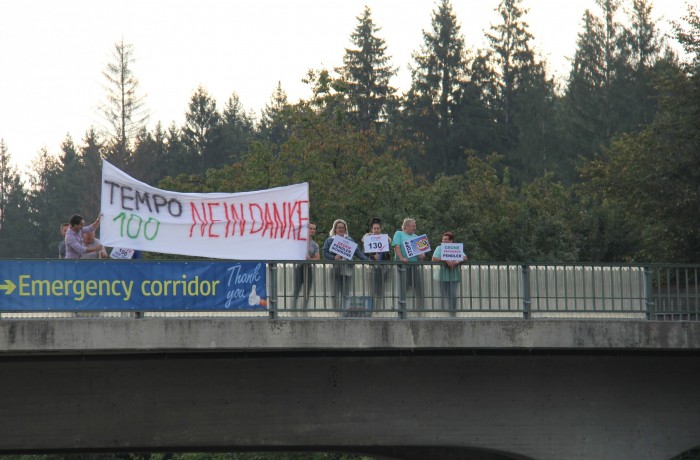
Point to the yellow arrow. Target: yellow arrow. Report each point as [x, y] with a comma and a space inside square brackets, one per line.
[8, 287]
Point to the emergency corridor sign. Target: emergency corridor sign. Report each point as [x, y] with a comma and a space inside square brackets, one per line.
[110, 285]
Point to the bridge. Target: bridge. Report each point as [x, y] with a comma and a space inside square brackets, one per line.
[405, 386]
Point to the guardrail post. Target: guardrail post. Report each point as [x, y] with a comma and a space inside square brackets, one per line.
[272, 295]
[648, 292]
[402, 289]
[527, 301]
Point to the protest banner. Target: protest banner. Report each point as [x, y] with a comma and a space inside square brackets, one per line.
[376, 243]
[257, 225]
[416, 246]
[343, 247]
[452, 251]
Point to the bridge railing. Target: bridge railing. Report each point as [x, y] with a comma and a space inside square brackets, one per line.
[487, 290]
[472, 290]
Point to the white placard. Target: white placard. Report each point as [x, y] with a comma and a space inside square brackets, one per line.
[121, 253]
[343, 247]
[452, 251]
[266, 224]
[376, 243]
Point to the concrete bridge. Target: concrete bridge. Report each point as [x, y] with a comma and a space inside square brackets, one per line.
[409, 389]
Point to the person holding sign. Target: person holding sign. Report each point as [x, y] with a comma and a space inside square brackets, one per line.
[338, 247]
[452, 255]
[399, 242]
[377, 247]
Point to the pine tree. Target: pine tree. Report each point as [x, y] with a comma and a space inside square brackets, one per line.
[237, 128]
[202, 131]
[15, 228]
[124, 109]
[524, 96]
[273, 123]
[438, 78]
[367, 72]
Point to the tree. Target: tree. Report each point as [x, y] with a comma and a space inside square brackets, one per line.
[273, 125]
[150, 159]
[202, 131]
[437, 80]
[15, 227]
[46, 210]
[367, 72]
[237, 129]
[124, 109]
[524, 97]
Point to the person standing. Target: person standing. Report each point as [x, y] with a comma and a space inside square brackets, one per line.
[75, 248]
[414, 274]
[342, 273]
[62, 244]
[303, 273]
[89, 241]
[448, 276]
[378, 273]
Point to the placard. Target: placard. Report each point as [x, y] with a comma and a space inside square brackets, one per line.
[452, 251]
[416, 246]
[343, 247]
[376, 243]
[122, 253]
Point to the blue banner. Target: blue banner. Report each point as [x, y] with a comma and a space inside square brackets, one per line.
[114, 285]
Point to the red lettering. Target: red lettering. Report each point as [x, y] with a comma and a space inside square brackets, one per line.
[211, 207]
[253, 219]
[196, 216]
[280, 222]
[268, 222]
[236, 218]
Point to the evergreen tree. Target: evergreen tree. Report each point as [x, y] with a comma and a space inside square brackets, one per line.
[524, 97]
[202, 132]
[124, 109]
[46, 205]
[367, 72]
[237, 129]
[437, 81]
[15, 228]
[90, 174]
[150, 159]
[273, 122]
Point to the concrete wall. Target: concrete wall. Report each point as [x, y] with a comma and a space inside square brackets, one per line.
[421, 389]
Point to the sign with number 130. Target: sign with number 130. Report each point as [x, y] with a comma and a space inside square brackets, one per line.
[376, 243]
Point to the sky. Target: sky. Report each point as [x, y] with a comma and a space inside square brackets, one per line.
[53, 53]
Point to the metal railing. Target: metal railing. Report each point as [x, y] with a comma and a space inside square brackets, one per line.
[487, 290]
[472, 290]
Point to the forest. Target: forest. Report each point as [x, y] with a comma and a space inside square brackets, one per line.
[601, 167]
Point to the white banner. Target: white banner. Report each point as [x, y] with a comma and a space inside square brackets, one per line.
[262, 225]
[343, 247]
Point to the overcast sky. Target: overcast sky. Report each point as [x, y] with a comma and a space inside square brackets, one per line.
[53, 53]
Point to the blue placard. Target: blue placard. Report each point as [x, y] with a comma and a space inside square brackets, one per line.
[111, 285]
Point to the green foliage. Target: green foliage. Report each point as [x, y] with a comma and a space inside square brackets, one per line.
[15, 237]
[482, 144]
